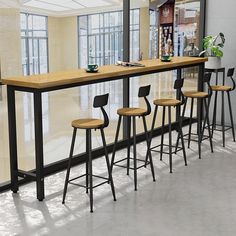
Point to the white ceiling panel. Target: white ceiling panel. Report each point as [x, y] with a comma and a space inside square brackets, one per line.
[94, 3]
[45, 6]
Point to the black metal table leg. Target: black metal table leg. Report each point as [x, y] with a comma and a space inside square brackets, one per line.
[12, 138]
[38, 120]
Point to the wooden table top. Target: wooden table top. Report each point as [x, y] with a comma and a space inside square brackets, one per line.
[110, 71]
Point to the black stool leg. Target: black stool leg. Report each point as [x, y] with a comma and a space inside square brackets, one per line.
[190, 123]
[135, 154]
[87, 165]
[208, 124]
[170, 139]
[108, 164]
[223, 117]
[231, 115]
[115, 144]
[128, 145]
[148, 150]
[182, 136]
[151, 133]
[214, 114]
[199, 133]
[205, 119]
[162, 132]
[69, 165]
[181, 119]
[89, 144]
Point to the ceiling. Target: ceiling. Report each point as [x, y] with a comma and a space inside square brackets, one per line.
[74, 7]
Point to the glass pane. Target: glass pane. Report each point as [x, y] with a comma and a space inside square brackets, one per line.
[36, 31]
[39, 23]
[43, 56]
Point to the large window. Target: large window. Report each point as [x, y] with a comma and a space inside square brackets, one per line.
[101, 37]
[34, 44]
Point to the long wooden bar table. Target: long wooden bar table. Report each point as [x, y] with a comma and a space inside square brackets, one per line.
[37, 84]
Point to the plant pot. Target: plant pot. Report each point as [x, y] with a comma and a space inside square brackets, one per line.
[213, 63]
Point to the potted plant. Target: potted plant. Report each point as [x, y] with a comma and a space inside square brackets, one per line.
[212, 46]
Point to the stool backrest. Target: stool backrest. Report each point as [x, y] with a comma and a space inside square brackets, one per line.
[230, 74]
[143, 93]
[99, 102]
[206, 79]
[178, 85]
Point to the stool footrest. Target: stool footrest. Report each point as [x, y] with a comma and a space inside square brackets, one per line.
[131, 168]
[83, 186]
[205, 137]
[227, 127]
[165, 145]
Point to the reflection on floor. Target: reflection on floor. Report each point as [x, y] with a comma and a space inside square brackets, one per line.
[195, 200]
[61, 107]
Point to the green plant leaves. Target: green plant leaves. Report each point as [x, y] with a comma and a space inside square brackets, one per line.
[211, 47]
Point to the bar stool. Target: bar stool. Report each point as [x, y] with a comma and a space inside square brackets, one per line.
[133, 113]
[169, 103]
[224, 89]
[201, 97]
[88, 125]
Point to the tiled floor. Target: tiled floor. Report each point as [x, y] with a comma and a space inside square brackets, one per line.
[195, 200]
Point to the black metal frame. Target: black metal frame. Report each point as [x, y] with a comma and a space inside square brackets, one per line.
[61, 165]
[41, 172]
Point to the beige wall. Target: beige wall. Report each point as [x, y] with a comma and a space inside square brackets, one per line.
[63, 43]
[144, 31]
[10, 42]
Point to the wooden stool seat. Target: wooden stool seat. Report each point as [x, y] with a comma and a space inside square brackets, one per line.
[195, 94]
[220, 88]
[87, 123]
[131, 111]
[167, 102]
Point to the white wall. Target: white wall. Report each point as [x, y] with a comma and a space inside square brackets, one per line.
[10, 42]
[221, 17]
[62, 43]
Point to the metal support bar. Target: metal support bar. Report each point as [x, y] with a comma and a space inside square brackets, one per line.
[12, 138]
[126, 57]
[38, 123]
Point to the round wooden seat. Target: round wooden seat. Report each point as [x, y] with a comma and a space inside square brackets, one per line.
[132, 111]
[220, 88]
[87, 123]
[167, 102]
[195, 94]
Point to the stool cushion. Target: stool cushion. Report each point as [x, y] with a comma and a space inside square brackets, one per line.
[131, 111]
[87, 123]
[167, 102]
[195, 94]
[220, 88]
